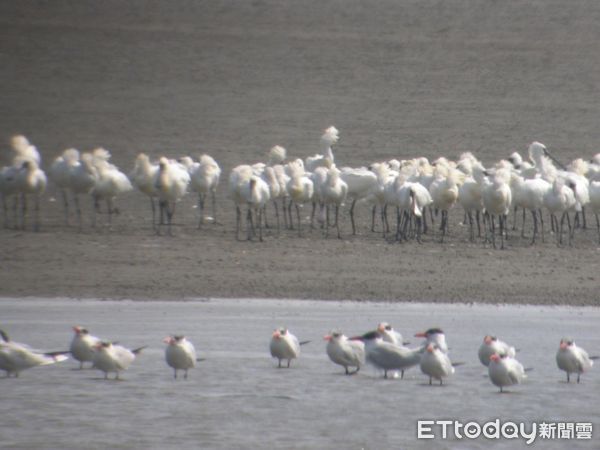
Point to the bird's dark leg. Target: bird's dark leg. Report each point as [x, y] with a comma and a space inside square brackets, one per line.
[352, 217]
[298, 217]
[373, 211]
[337, 223]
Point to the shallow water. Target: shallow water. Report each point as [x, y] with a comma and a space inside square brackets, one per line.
[237, 398]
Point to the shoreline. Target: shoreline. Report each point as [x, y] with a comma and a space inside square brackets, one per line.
[258, 300]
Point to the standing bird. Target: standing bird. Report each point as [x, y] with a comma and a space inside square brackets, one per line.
[284, 345]
[491, 345]
[362, 184]
[180, 354]
[345, 352]
[31, 180]
[595, 203]
[334, 193]
[505, 371]
[204, 179]
[144, 176]
[83, 345]
[434, 336]
[573, 359]
[387, 356]
[23, 150]
[444, 192]
[115, 358]
[60, 174]
[83, 179]
[560, 199]
[110, 183]
[469, 196]
[497, 200]
[300, 188]
[171, 185]
[16, 357]
[325, 157]
[435, 364]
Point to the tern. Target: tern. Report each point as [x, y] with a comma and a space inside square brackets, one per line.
[82, 345]
[16, 357]
[180, 354]
[284, 345]
[435, 336]
[491, 345]
[436, 364]
[110, 357]
[505, 371]
[345, 352]
[388, 334]
[388, 356]
[573, 359]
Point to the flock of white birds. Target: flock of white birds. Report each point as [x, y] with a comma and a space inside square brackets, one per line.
[384, 348]
[412, 188]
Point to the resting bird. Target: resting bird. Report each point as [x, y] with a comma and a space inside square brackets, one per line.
[115, 358]
[180, 354]
[16, 357]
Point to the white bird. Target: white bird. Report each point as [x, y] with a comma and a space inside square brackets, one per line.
[572, 359]
[334, 193]
[505, 371]
[110, 357]
[171, 185]
[345, 352]
[388, 334]
[497, 200]
[362, 184]
[16, 357]
[23, 150]
[277, 155]
[180, 354]
[31, 181]
[110, 183]
[491, 345]
[434, 336]
[284, 345]
[529, 194]
[383, 193]
[239, 179]
[319, 179]
[83, 179]
[444, 192]
[595, 203]
[300, 189]
[435, 363]
[560, 200]
[60, 174]
[256, 194]
[325, 157]
[144, 177]
[387, 356]
[470, 197]
[205, 176]
[269, 176]
[83, 345]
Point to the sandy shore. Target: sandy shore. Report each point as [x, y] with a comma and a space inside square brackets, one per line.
[399, 79]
